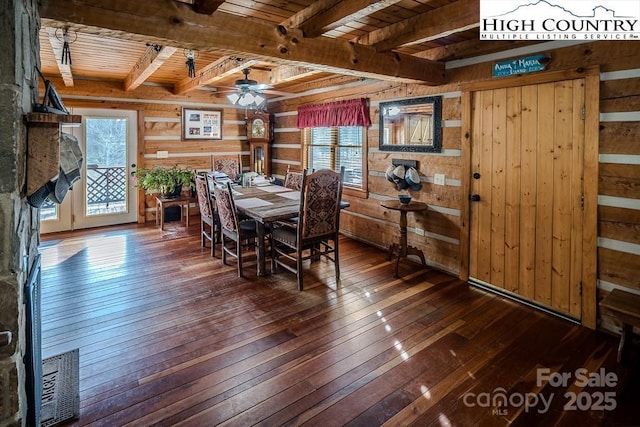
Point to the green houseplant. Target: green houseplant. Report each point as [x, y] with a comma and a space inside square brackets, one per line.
[167, 181]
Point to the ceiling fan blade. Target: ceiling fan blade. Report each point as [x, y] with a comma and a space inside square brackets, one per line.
[260, 86]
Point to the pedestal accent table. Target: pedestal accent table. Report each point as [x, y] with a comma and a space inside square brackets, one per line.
[402, 250]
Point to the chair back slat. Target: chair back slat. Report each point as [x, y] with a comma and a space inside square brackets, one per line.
[293, 180]
[226, 208]
[204, 196]
[320, 203]
[229, 165]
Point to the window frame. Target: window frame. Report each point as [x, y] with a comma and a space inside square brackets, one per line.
[306, 137]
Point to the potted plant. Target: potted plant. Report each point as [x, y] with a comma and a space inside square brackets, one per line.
[168, 181]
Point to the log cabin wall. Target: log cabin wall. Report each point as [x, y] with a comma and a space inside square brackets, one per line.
[437, 233]
[160, 127]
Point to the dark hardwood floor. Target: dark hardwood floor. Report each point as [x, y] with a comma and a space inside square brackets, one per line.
[170, 337]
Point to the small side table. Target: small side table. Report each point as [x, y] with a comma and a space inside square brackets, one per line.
[402, 250]
[182, 201]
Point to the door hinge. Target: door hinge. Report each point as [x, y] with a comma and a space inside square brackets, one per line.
[582, 202]
[584, 112]
[580, 288]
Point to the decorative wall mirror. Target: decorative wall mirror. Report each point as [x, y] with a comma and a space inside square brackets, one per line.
[413, 125]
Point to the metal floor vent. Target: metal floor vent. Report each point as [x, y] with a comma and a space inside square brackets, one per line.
[61, 388]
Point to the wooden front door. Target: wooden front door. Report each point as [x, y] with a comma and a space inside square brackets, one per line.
[527, 172]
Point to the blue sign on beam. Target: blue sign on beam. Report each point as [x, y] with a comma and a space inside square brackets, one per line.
[528, 64]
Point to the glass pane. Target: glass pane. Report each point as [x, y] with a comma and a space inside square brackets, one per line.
[106, 163]
[351, 159]
[48, 211]
[351, 135]
[322, 136]
[320, 157]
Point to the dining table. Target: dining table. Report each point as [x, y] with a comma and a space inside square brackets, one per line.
[267, 204]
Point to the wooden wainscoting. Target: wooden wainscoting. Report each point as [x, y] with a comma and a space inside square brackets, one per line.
[169, 336]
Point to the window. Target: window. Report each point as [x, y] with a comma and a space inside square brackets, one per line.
[334, 147]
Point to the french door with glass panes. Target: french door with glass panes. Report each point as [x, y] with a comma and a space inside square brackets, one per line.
[105, 193]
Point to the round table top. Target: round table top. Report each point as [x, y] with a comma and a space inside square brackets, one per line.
[412, 206]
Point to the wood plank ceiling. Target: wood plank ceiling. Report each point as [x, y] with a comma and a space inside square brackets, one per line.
[291, 45]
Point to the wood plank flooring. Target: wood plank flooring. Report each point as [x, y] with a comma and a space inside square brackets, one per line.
[168, 336]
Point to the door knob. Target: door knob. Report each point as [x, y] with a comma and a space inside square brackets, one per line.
[474, 197]
[476, 175]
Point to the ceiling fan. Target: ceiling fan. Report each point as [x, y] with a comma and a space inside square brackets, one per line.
[249, 93]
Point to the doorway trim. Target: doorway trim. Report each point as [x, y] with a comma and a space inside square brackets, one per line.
[590, 183]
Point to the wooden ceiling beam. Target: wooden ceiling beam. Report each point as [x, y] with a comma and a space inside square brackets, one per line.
[174, 23]
[470, 48]
[152, 59]
[325, 15]
[452, 18]
[56, 45]
[206, 7]
[288, 73]
[213, 72]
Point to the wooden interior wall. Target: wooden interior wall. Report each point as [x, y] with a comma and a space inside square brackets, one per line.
[437, 232]
[619, 183]
[160, 126]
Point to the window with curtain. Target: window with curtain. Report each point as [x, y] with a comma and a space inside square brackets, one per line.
[332, 147]
[333, 136]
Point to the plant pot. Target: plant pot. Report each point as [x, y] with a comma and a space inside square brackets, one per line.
[171, 194]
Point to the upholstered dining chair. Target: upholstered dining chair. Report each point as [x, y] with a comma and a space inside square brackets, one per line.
[241, 233]
[209, 221]
[231, 165]
[293, 180]
[316, 233]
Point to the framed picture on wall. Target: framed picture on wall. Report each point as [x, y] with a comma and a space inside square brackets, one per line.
[201, 124]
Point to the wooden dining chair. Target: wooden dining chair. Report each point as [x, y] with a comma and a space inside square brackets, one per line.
[241, 233]
[209, 221]
[293, 180]
[231, 165]
[316, 233]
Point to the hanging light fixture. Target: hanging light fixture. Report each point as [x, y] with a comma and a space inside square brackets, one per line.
[247, 99]
[248, 94]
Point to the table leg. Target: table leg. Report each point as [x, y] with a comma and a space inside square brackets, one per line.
[403, 250]
[393, 249]
[160, 214]
[626, 332]
[260, 249]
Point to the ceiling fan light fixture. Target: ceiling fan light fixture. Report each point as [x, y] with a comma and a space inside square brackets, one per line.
[258, 99]
[233, 98]
[246, 100]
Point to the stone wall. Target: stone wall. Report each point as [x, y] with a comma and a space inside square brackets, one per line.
[19, 227]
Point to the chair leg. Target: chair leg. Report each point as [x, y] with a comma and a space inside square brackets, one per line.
[336, 258]
[213, 240]
[299, 269]
[239, 256]
[224, 251]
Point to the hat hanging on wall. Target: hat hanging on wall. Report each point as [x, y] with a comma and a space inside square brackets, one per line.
[413, 179]
[398, 177]
[389, 173]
